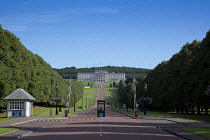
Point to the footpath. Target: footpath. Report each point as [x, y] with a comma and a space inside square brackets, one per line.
[29, 125]
[174, 125]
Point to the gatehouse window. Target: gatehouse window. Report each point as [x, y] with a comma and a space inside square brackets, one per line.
[16, 105]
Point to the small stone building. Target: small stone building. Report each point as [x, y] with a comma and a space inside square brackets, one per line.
[19, 104]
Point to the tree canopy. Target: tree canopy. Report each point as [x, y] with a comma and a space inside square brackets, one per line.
[20, 68]
[181, 81]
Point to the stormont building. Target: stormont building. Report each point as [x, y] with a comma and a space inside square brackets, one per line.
[100, 76]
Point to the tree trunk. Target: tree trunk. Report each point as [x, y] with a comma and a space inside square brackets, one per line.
[186, 109]
[192, 108]
[182, 109]
[206, 109]
[198, 109]
[202, 108]
[177, 109]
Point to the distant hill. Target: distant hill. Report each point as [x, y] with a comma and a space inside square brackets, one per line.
[129, 72]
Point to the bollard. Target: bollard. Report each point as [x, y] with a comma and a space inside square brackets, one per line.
[66, 113]
[136, 112]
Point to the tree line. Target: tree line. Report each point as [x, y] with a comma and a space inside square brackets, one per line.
[181, 84]
[72, 71]
[20, 68]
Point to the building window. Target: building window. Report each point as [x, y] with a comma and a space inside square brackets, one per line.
[16, 105]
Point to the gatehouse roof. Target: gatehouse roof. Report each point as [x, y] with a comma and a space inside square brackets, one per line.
[19, 94]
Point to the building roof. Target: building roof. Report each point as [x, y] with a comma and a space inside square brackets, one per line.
[101, 71]
[19, 94]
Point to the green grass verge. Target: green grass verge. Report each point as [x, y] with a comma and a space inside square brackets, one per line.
[89, 97]
[44, 111]
[8, 129]
[204, 131]
[10, 118]
[63, 114]
[195, 117]
[139, 114]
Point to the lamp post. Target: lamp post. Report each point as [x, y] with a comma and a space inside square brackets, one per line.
[82, 102]
[56, 113]
[127, 102]
[145, 97]
[51, 95]
[86, 102]
[119, 103]
[74, 101]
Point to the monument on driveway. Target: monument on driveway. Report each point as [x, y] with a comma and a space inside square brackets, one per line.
[19, 104]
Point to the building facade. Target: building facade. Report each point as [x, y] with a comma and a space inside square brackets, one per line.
[100, 76]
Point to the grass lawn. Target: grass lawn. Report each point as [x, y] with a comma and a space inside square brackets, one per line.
[204, 131]
[89, 97]
[63, 114]
[8, 119]
[139, 114]
[43, 110]
[195, 117]
[7, 129]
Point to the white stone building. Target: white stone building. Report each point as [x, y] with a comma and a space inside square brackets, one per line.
[100, 76]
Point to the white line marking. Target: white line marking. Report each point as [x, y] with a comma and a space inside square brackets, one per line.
[23, 122]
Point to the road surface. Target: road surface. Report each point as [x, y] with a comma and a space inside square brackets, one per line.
[115, 126]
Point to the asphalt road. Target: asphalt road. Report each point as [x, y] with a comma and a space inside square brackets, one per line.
[100, 91]
[115, 126]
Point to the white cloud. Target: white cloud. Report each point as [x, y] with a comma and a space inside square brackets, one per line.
[27, 22]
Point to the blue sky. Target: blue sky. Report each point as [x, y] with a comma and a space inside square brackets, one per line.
[95, 33]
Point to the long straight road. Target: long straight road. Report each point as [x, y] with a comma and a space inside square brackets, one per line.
[90, 127]
[114, 126]
[100, 91]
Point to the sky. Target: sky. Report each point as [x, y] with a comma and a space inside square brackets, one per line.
[96, 33]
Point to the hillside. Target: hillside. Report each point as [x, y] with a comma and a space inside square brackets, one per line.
[129, 72]
[20, 68]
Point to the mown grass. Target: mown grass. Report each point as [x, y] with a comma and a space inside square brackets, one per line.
[89, 97]
[194, 117]
[63, 114]
[204, 131]
[7, 129]
[43, 111]
[131, 112]
[8, 119]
